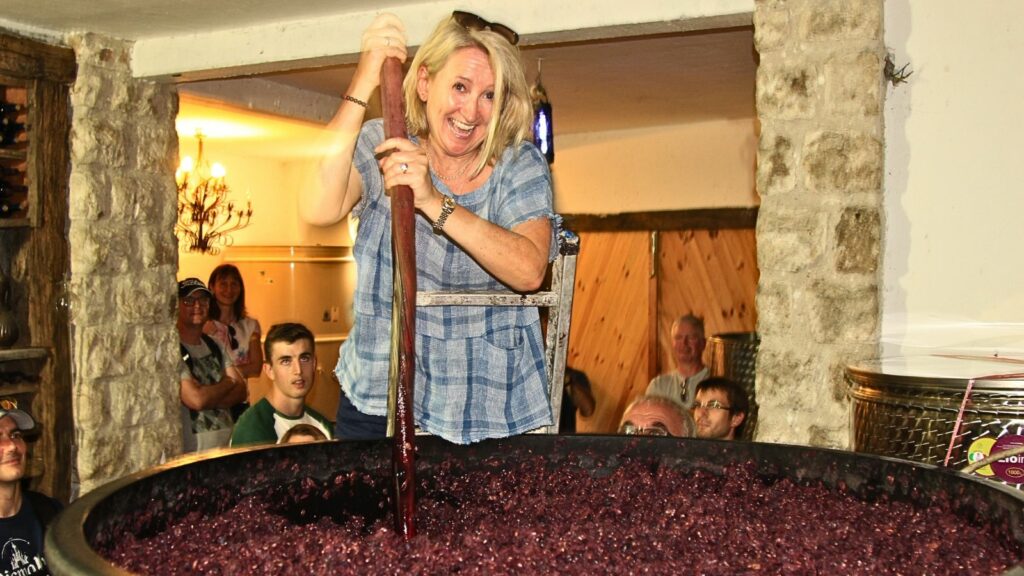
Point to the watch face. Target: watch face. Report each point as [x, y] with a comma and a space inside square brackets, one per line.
[447, 207]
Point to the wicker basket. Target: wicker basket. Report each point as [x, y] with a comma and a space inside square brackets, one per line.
[908, 408]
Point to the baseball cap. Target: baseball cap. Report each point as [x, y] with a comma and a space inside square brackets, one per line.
[9, 407]
[190, 285]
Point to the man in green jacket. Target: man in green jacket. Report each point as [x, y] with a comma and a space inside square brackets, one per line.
[289, 360]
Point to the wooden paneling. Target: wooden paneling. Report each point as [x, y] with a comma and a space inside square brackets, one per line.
[609, 327]
[710, 273]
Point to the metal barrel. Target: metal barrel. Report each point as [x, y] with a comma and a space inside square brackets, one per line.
[938, 409]
[733, 355]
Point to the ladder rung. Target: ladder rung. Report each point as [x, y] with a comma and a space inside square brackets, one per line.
[547, 298]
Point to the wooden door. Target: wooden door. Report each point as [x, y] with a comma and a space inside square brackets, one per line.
[711, 274]
[622, 313]
[608, 336]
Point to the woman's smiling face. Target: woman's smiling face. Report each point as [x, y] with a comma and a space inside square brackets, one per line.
[459, 102]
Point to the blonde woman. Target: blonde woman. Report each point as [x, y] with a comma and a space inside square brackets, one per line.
[485, 222]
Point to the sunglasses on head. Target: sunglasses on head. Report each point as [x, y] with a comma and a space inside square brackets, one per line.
[471, 21]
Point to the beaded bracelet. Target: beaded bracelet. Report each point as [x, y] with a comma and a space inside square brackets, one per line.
[353, 99]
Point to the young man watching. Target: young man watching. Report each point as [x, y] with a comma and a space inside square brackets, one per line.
[289, 360]
[720, 409]
[23, 514]
[210, 383]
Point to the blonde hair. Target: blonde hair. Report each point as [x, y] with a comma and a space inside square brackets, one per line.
[513, 111]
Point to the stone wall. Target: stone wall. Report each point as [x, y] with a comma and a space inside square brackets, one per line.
[124, 263]
[819, 174]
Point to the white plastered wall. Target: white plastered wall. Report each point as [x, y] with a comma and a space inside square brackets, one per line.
[700, 165]
[953, 271]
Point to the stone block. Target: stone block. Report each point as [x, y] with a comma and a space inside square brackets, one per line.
[837, 20]
[790, 238]
[829, 433]
[93, 49]
[156, 145]
[98, 140]
[774, 307]
[772, 28]
[91, 89]
[131, 399]
[145, 198]
[858, 240]
[90, 300]
[157, 247]
[843, 312]
[156, 101]
[854, 85]
[795, 395]
[143, 298]
[105, 352]
[776, 165]
[163, 354]
[89, 195]
[848, 162]
[122, 101]
[787, 91]
[101, 249]
[123, 191]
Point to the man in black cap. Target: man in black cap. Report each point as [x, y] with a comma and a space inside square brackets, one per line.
[210, 383]
[23, 514]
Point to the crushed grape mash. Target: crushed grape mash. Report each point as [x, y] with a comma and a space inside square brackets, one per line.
[530, 517]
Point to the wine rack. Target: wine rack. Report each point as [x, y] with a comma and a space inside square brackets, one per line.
[18, 206]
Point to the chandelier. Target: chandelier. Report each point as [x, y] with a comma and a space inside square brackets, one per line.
[206, 216]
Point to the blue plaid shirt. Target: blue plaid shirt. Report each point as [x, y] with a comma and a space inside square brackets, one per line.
[479, 369]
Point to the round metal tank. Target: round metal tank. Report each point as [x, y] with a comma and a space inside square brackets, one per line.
[908, 407]
[146, 501]
[733, 355]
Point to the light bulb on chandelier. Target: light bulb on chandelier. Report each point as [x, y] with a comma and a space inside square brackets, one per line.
[206, 215]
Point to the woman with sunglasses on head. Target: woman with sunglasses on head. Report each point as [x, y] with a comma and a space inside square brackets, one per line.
[229, 323]
[482, 192]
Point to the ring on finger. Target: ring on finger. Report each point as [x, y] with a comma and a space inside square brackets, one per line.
[403, 167]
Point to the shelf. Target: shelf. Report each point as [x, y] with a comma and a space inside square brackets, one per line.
[15, 223]
[23, 353]
[17, 389]
[15, 154]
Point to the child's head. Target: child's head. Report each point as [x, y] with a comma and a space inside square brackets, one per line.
[302, 433]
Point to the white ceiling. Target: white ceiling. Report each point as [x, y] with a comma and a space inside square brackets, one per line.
[594, 86]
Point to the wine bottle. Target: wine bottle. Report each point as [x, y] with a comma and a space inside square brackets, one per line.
[9, 131]
[7, 209]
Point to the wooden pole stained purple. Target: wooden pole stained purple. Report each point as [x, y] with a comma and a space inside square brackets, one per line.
[403, 326]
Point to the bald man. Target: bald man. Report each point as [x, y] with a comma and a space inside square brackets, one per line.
[652, 415]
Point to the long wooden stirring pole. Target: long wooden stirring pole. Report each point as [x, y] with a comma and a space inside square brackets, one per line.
[403, 325]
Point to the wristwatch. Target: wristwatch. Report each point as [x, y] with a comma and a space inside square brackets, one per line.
[447, 207]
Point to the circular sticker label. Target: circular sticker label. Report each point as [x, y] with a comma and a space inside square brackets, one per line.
[979, 450]
[1011, 468]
